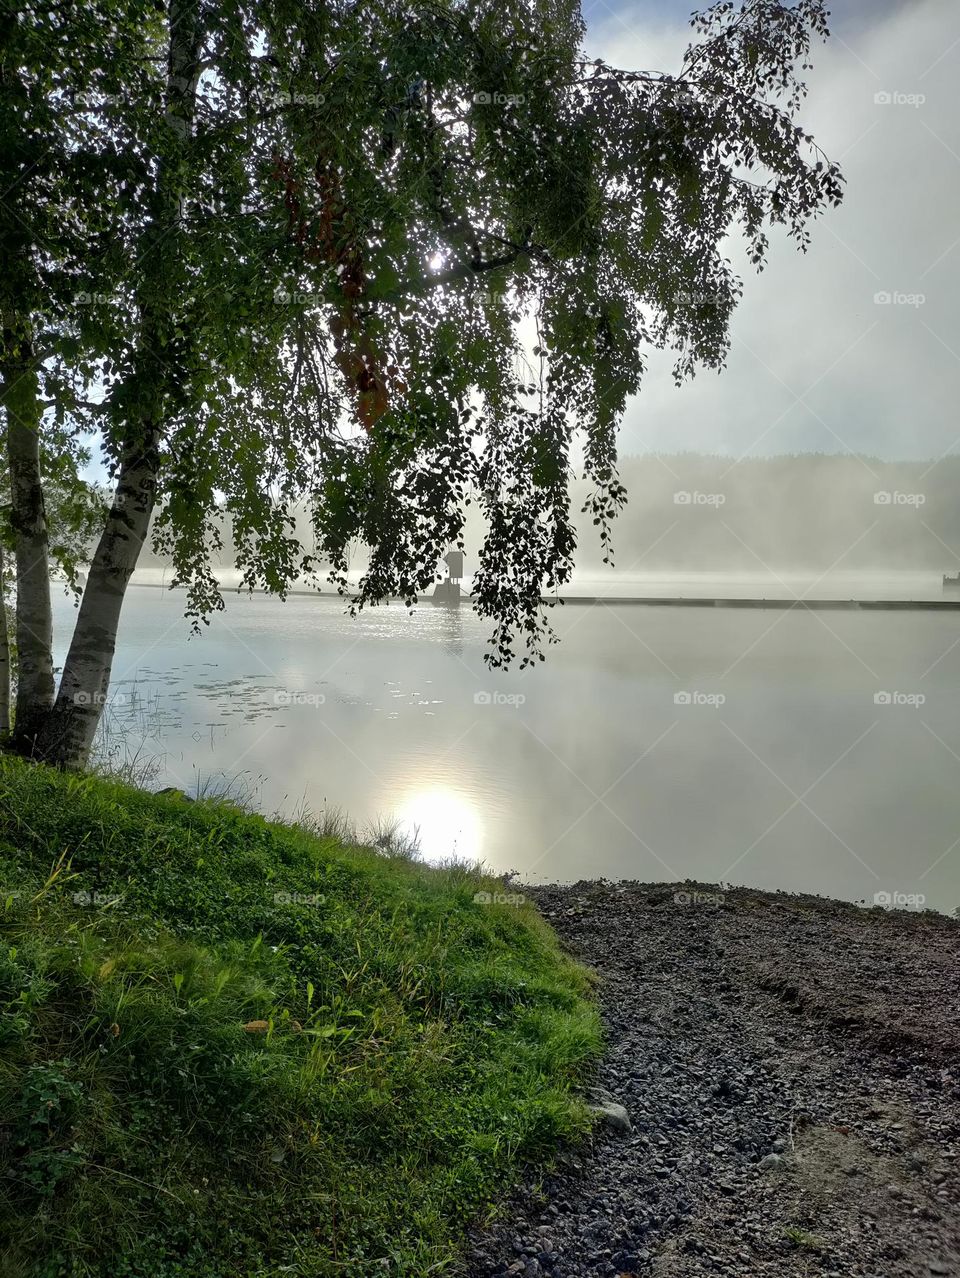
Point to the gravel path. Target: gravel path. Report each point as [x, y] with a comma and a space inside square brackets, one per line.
[791, 1068]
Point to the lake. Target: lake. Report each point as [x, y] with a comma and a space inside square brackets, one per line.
[801, 751]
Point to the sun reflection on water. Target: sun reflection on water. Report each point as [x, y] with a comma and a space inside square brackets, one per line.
[446, 823]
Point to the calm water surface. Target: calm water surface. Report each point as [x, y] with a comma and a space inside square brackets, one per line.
[816, 752]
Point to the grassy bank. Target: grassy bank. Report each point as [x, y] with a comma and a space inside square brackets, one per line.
[232, 1047]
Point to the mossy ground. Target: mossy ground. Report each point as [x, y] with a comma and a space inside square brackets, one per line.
[232, 1047]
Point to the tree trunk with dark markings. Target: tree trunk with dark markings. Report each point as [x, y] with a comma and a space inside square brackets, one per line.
[68, 729]
[19, 396]
[66, 732]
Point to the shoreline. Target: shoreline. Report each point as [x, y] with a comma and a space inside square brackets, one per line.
[663, 601]
[789, 1066]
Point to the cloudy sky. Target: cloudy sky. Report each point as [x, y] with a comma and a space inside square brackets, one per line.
[816, 364]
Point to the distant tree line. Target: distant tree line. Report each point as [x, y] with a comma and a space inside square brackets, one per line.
[802, 511]
[689, 512]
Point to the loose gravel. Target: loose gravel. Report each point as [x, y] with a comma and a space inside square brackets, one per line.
[790, 1067]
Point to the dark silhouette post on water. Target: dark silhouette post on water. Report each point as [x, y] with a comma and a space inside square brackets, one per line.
[448, 592]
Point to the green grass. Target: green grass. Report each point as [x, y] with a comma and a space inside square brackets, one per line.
[234, 1048]
[801, 1238]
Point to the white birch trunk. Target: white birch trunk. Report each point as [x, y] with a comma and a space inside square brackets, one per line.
[69, 729]
[19, 395]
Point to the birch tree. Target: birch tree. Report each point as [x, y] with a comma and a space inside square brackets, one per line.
[74, 512]
[329, 230]
[64, 162]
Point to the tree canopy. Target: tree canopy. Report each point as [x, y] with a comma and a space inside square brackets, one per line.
[377, 260]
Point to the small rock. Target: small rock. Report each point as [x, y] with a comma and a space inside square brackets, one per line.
[614, 1116]
[771, 1161]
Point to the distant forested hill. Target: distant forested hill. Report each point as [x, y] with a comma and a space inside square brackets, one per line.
[690, 512]
[807, 511]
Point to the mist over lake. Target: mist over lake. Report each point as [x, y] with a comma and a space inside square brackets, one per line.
[480, 661]
[789, 750]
